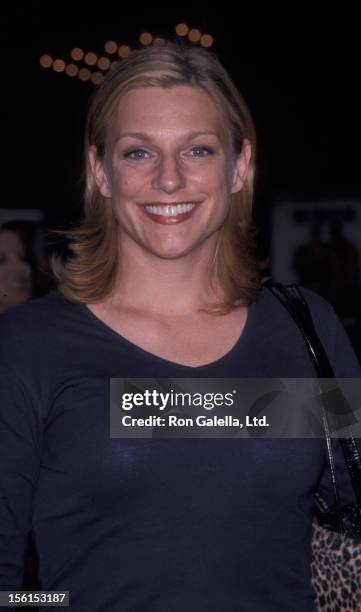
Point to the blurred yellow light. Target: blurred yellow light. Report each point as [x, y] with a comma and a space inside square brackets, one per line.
[145, 39]
[123, 51]
[194, 35]
[206, 40]
[46, 61]
[103, 63]
[77, 54]
[90, 59]
[59, 65]
[111, 47]
[71, 70]
[182, 29]
[84, 74]
[97, 78]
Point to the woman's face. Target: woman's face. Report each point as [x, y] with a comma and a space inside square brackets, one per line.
[15, 272]
[170, 170]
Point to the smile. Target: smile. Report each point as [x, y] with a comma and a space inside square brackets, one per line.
[170, 213]
[170, 210]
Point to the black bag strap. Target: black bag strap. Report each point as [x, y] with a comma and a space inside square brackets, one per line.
[293, 300]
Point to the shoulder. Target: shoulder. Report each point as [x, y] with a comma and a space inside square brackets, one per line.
[323, 313]
[328, 327]
[32, 316]
[269, 307]
[27, 329]
[333, 336]
[317, 304]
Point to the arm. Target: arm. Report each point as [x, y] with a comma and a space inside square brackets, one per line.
[345, 365]
[20, 451]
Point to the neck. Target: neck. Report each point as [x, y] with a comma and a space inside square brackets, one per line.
[172, 287]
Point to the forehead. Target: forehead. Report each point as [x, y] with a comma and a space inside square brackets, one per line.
[176, 109]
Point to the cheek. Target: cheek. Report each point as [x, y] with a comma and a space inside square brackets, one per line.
[216, 175]
[219, 184]
[127, 184]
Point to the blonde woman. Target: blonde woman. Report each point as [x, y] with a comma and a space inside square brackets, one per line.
[161, 282]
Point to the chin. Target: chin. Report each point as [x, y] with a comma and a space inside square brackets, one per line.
[170, 251]
[170, 255]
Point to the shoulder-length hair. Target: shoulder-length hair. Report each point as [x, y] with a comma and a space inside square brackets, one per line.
[90, 272]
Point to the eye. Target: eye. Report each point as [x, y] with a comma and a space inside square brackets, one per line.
[201, 151]
[136, 154]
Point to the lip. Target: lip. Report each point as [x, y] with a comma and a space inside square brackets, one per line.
[163, 220]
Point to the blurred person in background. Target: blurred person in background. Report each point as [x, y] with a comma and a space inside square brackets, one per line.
[16, 276]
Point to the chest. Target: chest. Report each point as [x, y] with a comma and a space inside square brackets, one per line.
[157, 475]
[190, 341]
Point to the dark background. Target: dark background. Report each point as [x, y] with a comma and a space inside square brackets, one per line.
[298, 72]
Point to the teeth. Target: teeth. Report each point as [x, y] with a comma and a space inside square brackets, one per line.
[171, 210]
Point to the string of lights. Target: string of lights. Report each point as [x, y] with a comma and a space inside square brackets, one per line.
[91, 66]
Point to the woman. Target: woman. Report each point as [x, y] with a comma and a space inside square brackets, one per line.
[15, 269]
[161, 283]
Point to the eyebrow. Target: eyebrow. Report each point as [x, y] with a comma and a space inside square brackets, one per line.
[144, 136]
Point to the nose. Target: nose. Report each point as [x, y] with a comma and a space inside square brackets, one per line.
[169, 176]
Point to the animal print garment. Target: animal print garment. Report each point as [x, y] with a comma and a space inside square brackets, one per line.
[336, 571]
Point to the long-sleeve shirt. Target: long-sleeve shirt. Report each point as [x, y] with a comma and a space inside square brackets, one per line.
[155, 525]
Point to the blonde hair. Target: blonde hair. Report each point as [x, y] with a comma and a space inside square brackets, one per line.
[89, 274]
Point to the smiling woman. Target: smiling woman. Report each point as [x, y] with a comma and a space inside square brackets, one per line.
[167, 128]
[171, 197]
[160, 283]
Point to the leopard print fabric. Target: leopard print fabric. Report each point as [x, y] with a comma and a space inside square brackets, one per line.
[336, 571]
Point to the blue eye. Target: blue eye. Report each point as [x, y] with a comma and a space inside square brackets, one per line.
[201, 151]
[136, 154]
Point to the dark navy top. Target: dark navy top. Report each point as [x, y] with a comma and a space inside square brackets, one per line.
[154, 525]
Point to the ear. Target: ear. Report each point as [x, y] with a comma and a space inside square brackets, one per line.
[241, 167]
[99, 173]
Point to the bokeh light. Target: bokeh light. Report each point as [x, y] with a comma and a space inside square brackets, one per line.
[46, 61]
[77, 54]
[145, 39]
[123, 51]
[84, 74]
[182, 29]
[206, 40]
[71, 70]
[104, 63]
[90, 59]
[59, 65]
[194, 35]
[111, 47]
